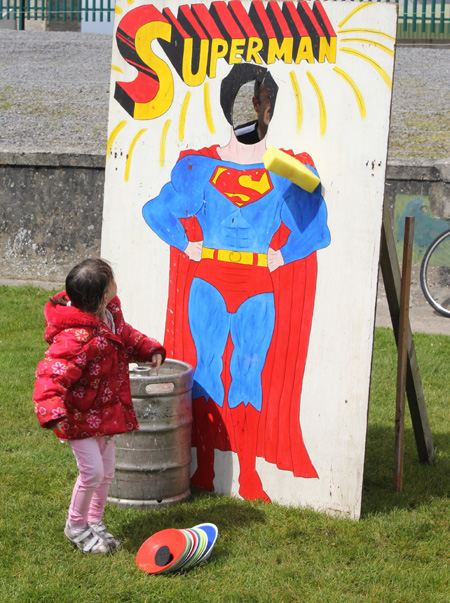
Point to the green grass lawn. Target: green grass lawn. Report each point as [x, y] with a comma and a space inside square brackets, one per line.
[399, 551]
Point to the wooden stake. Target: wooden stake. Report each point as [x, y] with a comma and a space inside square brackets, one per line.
[391, 277]
[405, 290]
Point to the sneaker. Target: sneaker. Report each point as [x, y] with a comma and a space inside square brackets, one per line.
[100, 529]
[86, 539]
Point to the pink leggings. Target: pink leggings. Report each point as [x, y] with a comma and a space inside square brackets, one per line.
[96, 460]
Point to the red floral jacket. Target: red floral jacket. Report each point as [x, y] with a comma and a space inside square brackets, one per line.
[84, 378]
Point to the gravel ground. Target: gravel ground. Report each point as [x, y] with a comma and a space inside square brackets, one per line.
[54, 89]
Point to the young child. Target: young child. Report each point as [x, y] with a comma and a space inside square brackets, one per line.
[82, 389]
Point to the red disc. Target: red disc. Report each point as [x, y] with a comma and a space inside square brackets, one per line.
[146, 557]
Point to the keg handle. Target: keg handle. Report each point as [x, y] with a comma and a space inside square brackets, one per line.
[158, 380]
[162, 387]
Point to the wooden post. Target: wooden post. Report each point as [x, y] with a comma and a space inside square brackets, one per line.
[405, 290]
[391, 276]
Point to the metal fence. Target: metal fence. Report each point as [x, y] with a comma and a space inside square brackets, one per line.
[57, 10]
[427, 20]
[424, 19]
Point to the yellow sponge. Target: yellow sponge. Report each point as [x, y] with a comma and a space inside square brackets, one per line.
[285, 165]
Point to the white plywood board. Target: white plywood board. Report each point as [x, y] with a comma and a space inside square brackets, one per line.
[343, 124]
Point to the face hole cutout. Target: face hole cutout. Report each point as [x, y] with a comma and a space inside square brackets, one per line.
[243, 110]
[252, 112]
[239, 76]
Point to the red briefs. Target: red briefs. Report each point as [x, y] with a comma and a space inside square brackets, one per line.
[235, 282]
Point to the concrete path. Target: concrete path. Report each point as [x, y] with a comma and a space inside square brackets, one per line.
[423, 318]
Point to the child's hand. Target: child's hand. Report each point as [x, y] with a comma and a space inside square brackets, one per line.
[55, 424]
[156, 361]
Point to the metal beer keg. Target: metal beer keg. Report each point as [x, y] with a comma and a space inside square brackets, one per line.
[153, 464]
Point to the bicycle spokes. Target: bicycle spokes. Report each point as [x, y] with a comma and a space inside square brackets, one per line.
[435, 274]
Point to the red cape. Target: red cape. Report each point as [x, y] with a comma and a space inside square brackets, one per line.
[280, 438]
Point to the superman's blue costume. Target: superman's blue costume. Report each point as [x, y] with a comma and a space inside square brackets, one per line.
[235, 333]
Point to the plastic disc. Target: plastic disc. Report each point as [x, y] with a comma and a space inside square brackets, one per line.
[195, 542]
[167, 545]
[202, 544]
[211, 532]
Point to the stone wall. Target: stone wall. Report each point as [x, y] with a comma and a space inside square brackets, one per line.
[51, 209]
[424, 193]
[432, 181]
[50, 213]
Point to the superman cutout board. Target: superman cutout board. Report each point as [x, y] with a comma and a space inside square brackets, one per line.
[265, 286]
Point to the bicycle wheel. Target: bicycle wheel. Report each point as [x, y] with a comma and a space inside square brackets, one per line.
[435, 274]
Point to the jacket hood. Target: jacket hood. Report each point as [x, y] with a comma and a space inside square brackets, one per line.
[59, 317]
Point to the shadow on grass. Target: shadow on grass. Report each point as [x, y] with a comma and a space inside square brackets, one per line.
[422, 482]
[231, 514]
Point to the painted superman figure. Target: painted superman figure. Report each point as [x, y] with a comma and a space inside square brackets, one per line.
[242, 284]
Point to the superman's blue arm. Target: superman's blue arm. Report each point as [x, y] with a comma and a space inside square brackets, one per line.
[182, 197]
[305, 214]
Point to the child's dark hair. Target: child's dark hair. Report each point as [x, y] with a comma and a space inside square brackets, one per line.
[86, 284]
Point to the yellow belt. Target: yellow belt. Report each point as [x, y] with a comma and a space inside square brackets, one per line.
[236, 257]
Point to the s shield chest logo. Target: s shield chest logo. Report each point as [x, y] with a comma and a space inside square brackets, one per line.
[241, 187]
